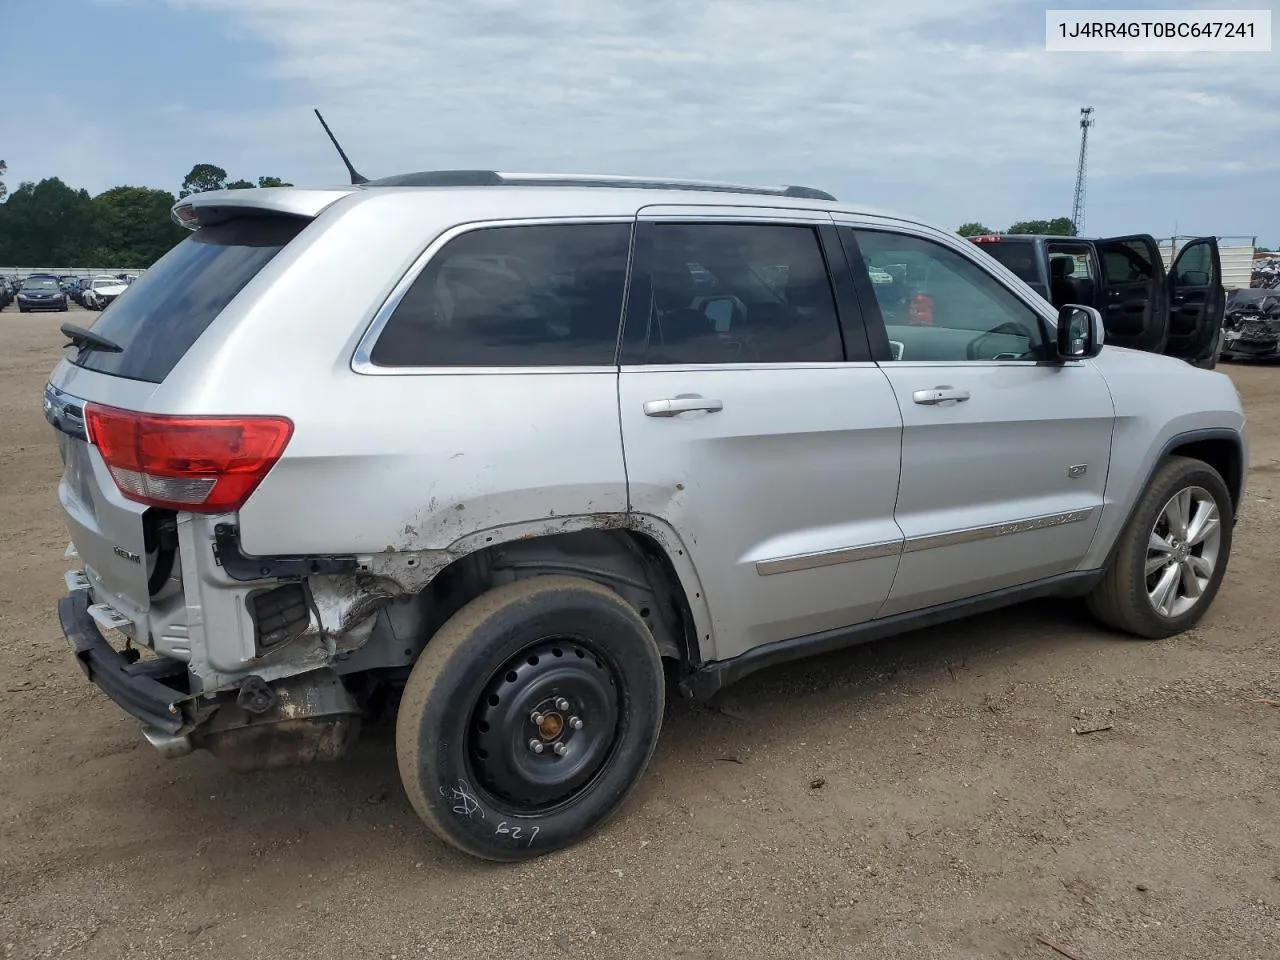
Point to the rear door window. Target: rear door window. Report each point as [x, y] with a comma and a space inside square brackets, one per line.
[538, 295]
[724, 293]
[160, 316]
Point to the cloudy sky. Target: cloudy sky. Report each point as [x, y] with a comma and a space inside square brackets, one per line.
[947, 109]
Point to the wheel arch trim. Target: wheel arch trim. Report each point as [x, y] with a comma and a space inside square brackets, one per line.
[1235, 485]
[700, 629]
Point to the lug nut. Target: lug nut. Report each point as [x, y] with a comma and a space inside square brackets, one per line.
[562, 704]
[535, 718]
[536, 746]
[560, 749]
[575, 722]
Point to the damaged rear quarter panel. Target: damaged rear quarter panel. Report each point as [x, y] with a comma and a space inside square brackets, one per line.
[389, 464]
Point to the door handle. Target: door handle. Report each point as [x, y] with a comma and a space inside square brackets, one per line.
[684, 403]
[936, 395]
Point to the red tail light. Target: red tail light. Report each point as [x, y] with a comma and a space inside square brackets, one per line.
[200, 464]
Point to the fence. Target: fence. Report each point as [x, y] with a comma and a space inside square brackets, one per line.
[72, 270]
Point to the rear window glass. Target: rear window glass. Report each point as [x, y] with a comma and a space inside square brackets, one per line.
[159, 317]
[538, 295]
[1018, 257]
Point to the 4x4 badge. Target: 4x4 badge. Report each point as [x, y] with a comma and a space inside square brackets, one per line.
[1076, 471]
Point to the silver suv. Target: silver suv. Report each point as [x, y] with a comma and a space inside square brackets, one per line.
[515, 455]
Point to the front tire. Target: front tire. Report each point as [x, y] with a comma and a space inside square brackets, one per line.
[1170, 559]
[529, 717]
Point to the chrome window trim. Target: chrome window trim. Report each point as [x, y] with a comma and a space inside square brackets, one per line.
[745, 367]
[362, 358]
[968, 364]
[932, 541]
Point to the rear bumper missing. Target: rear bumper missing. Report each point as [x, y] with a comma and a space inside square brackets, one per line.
[151, 691]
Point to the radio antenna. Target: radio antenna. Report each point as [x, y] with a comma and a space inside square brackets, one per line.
[356, 177]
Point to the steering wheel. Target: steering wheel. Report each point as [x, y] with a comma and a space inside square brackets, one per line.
[975, 351]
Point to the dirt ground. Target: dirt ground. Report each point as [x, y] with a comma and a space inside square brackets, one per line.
[958, 815]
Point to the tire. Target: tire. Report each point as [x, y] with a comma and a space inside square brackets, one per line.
[22, 309]
[1124, 599]
[465, 733]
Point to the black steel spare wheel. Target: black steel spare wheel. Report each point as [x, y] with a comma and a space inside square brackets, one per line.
[546, 724]
[529, 717]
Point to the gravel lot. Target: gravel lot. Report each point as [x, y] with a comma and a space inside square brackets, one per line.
[958, 815]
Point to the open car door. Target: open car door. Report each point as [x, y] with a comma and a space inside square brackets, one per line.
[1134, 301]
[1197, 303]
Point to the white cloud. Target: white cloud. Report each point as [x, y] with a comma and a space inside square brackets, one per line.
[947, 108]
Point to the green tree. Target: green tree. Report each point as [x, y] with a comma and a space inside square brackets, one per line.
[47, 223]
[239, 185]
[1057, 227]
[973, 229]
[134, 227]
[202, 178]
[272, 182]
[4, 167]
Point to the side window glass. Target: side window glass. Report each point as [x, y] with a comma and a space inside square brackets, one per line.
[544, 295]
[1127, 261]
[940, 306]
[740, 293]
[1018, 255]
[1194, 266]
[1073, 278]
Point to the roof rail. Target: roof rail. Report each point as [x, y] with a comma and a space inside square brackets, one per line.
[492, 178]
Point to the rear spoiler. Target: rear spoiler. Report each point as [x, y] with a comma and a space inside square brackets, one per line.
[215, 206]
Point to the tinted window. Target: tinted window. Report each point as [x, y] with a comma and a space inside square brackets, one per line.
[1127, 261]
[1194, 266]
[170, 305]
[1018, 256]
[740, 293]
[941, 306]
[514, 296]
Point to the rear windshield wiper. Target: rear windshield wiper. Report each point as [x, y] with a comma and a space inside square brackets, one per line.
[88, 340]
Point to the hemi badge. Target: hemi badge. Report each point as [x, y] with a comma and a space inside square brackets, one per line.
[122, 552]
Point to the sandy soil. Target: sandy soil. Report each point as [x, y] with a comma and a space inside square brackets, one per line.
[959, 815]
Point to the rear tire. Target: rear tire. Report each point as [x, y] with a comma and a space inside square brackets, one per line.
[478, 769]
[1170, 559]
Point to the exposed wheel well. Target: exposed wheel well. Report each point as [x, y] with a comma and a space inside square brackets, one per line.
[1224, 456]
[630, 563]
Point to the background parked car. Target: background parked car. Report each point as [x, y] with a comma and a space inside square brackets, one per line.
[41, 293]
[102, 291]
